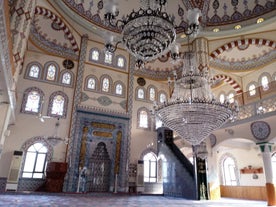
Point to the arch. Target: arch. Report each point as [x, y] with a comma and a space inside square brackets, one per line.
[117, 58]
[252, 88]
[45, 12]
[160, 94]
[143, 114]
[152, 96]
[32, 141]
[64, 105]
[89, 85]
[108, 88]
[71, 81]
[236, 43]
[117, 83]
[27, 92]
[46, 67]
[268, 79]
[140, 93]
[29, 67]
[236, 86]
[92, 50]
[221, 162]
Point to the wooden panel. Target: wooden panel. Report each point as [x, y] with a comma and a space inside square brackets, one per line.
[244, 192]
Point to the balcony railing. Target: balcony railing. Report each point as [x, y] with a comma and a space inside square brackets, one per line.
[262, 102]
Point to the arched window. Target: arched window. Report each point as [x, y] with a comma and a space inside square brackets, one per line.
[141, 93]
[32, 101]
[150, 167]
[119, 89]
[34, 71]
[51, 72]
[231, 97]
[252, 89]
[108, 57]
[121, 62]
[143, 119]
[95, 55]
[222, 98]
[162, 98]
[152, 94]
[106, 83]
[66, 78]
[229, 171]
[58, 104]
[264, 82]
[91, 83]
[35, 161]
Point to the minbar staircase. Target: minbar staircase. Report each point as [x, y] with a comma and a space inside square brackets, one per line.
[178, 172]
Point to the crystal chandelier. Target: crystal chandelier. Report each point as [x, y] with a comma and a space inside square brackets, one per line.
[149, 32]
[192, 111]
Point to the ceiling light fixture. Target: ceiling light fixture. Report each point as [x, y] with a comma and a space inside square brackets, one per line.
[192, 111]
[149, 32]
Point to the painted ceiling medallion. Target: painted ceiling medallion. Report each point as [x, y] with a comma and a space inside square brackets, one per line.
[260, 130]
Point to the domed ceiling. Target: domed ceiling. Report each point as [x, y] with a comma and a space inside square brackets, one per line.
[215, 13]
[52, 32]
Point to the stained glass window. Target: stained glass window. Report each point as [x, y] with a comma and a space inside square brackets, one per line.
[222, 98]
[95, 55]
[34, 71]
[264, 82]
[35, 161]
[231, 97]
[141, 93]
[108, 57]
[105, 85]
[152, 94]
[121, 62]
[66, 78]
[91, 83]
[119, 89]
[143, 119]
[51, 72]
[162, 98]
[252, 90]
[58, 105]
[33, 102]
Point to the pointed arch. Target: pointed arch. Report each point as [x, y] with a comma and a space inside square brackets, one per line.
[47, 13]
[236, 86]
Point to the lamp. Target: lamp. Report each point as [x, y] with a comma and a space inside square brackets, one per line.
[149, 32]
[192, 110]
[55, 139]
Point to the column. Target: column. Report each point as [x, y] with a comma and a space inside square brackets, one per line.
[270, 186]
[70, 184]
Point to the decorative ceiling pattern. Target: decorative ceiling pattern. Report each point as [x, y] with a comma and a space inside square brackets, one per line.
[243, 55]
[234, 11]
[214, 12]
[236, 86]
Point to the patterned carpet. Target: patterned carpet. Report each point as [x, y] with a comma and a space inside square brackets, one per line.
[113, 200]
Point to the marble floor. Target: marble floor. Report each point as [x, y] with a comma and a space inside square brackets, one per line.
[114, 200]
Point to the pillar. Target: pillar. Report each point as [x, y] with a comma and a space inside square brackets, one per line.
[70, 184]
[270, 186]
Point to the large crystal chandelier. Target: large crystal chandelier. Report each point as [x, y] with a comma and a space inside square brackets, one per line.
[192, 111]
[148, 32]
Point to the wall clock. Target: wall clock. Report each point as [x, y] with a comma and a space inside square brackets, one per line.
[260, 130]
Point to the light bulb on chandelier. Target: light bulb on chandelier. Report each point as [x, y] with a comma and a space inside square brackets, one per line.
[149, 32]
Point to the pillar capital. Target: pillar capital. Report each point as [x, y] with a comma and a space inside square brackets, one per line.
[265, 146]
